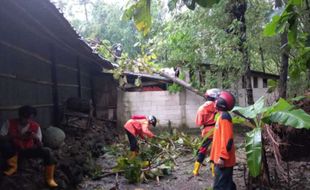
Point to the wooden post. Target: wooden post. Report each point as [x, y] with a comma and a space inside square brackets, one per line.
[54, 86]
[92, 91]
[78, 66]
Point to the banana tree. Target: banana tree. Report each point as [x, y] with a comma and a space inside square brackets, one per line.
[259, 117]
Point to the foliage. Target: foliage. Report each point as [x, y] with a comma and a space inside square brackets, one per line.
[140, 11]
[259, 116]
[131, 168]
[141, 14]
[157, 156]
[253, 149]
[294, 18]
[174, 88]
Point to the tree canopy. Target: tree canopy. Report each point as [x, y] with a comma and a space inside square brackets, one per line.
[202, 36]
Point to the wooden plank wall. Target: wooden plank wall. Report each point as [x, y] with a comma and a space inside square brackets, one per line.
[105, 95]
[37, 71]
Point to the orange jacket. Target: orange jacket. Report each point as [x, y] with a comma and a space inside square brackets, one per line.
[205, 116]
[223, 141]
[139, 127]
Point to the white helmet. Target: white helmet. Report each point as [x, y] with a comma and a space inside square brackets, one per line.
[212, 93]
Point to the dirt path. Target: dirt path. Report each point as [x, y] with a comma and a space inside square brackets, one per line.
[180, 179]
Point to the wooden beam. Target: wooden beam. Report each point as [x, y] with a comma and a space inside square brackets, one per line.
[10, 76]
[67, 85]
[55, 86]
[37, 56]
[16, 107]
[24, 51]
[67, 67]
[78, 76]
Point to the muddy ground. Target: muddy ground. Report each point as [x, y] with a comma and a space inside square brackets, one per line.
[182, 179]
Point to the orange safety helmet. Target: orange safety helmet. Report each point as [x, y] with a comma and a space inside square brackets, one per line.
[225, 101]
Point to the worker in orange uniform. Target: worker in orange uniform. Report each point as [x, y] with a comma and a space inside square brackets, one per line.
[205, 119]
[139, 126]
[223, 148]
[22, 137]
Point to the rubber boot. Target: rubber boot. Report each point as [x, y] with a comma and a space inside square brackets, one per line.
[12, 163]
[196, 168]
[49, 176]
[133, 154]
[212, 169]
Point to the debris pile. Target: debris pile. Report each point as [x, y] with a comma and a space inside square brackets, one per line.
[157, 157]
[76, 159]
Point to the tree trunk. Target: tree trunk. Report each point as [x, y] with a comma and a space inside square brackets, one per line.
[85, 11]
[262, 58]
[239, 8]
[284, 59]
[182, 83]
[284, 66]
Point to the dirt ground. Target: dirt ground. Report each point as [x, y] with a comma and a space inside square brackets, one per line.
[181, 177]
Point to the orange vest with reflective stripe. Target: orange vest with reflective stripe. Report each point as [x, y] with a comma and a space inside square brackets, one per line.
[15, 134]
[223, 141]
[205, 116]
[139, 127]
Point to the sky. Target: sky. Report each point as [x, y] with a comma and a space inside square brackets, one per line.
[77, 9]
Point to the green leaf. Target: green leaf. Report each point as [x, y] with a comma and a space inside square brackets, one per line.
[141, 14]
[253, 110]
[253, 149]
[207, 3]
[272, 85]
[280, 105]
[298, 98]
[270, 28]
[129, 11]
[296, 2]
[243, 121]
[293, 118]
[138, 82]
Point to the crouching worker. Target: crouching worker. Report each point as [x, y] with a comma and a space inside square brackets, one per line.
[22, 138]
[138, 126]
[223, 148]
[205, 120]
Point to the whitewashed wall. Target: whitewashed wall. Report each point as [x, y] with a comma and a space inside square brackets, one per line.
[179, 108]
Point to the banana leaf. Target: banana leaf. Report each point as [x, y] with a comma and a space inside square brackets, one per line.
[251, 111]
[294, 118]
[253, 149]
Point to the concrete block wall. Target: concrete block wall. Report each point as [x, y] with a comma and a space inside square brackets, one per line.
[179, 108]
